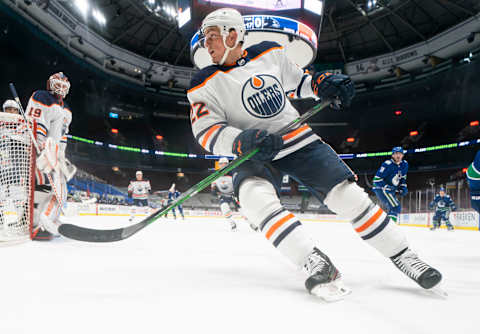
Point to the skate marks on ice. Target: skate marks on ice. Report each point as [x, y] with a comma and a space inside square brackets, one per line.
[197, 276]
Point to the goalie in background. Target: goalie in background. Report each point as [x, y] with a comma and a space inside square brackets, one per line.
[443, 204]
[138, 189]
[53, 117]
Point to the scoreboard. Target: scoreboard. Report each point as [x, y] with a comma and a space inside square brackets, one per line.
[308, 12]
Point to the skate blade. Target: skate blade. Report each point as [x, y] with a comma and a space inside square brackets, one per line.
[438, 291]
[331, 292]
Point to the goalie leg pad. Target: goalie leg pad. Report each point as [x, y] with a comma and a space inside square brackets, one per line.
[280, 226]
[372, 224]
[49, 209]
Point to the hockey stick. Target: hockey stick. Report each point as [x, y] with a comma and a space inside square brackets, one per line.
[34, 141]
[93, 235]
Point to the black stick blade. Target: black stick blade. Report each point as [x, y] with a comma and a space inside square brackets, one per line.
[92, 235]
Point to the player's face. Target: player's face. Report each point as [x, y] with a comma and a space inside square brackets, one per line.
[12, 110]
[397, 157]
[139, 177]
[214, 44]
[442, 193]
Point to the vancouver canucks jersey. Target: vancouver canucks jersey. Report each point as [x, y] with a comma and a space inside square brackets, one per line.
[442, 203]
[252, 93]
[391, 174]
[172, 195]
[473, 175]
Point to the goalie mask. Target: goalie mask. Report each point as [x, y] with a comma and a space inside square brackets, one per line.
[58, 84]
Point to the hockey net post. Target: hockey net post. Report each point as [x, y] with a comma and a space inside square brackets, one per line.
[17, 178]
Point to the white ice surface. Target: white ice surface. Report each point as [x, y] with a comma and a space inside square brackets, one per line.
[196, 276]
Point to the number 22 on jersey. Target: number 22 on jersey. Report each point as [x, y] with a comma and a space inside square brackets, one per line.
[197, 111]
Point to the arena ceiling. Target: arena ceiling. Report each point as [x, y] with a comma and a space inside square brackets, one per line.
[351, 29]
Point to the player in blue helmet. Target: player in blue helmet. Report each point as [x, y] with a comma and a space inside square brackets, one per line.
[443, 204]
[473, 177]
[390, 179]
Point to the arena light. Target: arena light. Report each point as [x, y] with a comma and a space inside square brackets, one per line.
[474, 123]
[183, 16]
[350, 140]
[413, 133]
[99, 17]
[464, 170]
[114, 131]
[112, 115]
[159, 137]
[398, 112]
[115, 168]
[315, 6]
[82, 6]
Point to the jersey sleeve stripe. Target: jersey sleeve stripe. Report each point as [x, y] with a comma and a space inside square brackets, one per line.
[296, 132]
[201, 133]
[209, 133]
[41, 131]
[215, 137]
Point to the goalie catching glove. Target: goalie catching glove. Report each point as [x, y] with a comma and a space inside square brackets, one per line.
[53, 159]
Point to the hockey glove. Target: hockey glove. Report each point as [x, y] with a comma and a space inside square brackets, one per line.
[338, 86]
[403, 191]
[269, 144]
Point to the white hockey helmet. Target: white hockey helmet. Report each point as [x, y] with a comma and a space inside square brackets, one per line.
[225, 19]
[223, 160]
[58, 84]
[139, 172]
[10, 104]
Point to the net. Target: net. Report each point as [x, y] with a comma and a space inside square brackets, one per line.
[16, 178]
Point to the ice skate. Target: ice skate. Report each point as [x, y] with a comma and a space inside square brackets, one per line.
[410, 264]
[233, 226]
[450, 228]
[325, 280]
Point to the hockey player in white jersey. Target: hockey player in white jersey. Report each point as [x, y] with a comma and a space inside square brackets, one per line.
[138, 189]
[222, 188]
[238, 104]
[10, 107]
[53, 117]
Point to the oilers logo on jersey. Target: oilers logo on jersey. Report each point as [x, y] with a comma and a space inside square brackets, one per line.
[263, 96]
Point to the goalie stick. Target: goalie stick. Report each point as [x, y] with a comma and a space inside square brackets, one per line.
[93, 235]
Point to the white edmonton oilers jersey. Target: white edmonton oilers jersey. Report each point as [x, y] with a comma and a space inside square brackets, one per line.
[251, 94]
[53, 119]
[139, 189]
[224, 185]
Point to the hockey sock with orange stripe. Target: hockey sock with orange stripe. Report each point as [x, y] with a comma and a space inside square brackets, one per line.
[371, 223]
[279, 226]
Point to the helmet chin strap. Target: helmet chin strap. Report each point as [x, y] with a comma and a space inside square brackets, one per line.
[227, 50]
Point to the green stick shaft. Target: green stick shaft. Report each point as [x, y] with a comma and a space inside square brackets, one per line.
[232, 165]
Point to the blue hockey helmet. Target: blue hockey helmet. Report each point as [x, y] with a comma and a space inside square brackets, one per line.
[441, 189]
[398, 149]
